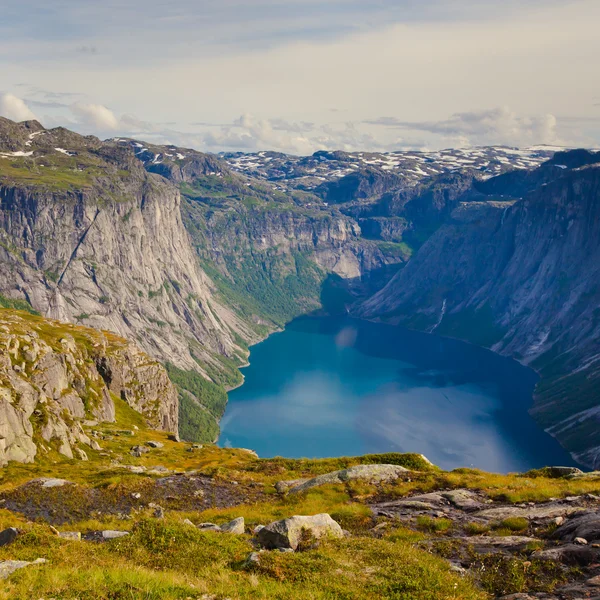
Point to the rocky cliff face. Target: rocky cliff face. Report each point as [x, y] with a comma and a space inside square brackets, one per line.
[523, 279]
[87, 235]
[269, 251]
[54, 376]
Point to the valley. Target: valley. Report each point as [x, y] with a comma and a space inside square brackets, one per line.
[197, 257]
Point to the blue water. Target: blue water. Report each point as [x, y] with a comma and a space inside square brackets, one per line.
[335, 386]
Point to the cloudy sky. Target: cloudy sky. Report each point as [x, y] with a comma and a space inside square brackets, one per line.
[303, 75]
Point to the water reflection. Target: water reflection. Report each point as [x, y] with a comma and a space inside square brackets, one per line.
[336, 386]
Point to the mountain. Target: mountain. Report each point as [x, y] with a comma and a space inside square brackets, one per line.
[322, 169]
[522, 278]
[195, 256]
[89, 236]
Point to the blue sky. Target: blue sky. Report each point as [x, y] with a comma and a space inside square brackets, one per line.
[299, 76]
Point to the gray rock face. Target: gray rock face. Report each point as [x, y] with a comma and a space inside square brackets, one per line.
[288, 533]
[370, 473]
[504, 542]
[66, 376]
[108, 250]
[544, 511]
[570, 554]
[586, 526]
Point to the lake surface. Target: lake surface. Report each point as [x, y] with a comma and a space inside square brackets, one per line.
[335, 386]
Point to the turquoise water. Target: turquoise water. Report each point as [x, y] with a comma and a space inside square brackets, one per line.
[336, 386]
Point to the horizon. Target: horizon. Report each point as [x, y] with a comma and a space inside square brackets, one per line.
[298, 77]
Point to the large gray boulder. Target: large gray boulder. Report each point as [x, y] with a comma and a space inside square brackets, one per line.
[369, 473]
[288, 533]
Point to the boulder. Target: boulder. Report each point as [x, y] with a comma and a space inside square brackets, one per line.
[585, 526]
[288, 533]
[237, 526]
[8, 536]
[369, 473]
[463, 499]
[569, 554]
[564, 471]
[8, 567]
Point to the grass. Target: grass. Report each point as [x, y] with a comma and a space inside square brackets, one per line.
[167, 559]
[13, 304]
[431, 525]
[512, 525]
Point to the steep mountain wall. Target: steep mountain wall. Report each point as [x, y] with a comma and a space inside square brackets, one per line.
[88, 236]
[521, 278]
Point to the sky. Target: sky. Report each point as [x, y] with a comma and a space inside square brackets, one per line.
[299, 76]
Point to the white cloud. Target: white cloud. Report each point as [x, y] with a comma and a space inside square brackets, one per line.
[15, 109]
[494, 126]
[95, 115]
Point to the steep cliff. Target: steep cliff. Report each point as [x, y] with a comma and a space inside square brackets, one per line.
[54, 376]
[269, 252]
[88, 235]
[522, 278]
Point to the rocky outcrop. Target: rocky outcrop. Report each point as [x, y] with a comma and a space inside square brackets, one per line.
[368, 473]
[521, 278]
[54, 376]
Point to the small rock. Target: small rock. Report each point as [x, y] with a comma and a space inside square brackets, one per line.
[285, 550]
[580, 541]
[154, 444]
[112, 535]
[159, 511]
[137, 451]
[51, 483]
[253, 560]
[188, 522]
[237, 526]
[136, 495]
[8, 567]
[559, 521]
[8, 536]
[74, 536]
[81, 454]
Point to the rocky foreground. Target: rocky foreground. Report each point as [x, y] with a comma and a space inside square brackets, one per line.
[149, 517]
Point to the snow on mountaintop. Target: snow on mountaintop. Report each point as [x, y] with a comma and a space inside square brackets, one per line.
[308, 172]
